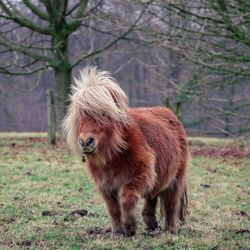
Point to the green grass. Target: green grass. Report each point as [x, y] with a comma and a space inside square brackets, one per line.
[36, 177]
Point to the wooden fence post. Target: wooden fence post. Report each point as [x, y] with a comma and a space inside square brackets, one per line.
[178, 110]
[51, 117]
[167, 103]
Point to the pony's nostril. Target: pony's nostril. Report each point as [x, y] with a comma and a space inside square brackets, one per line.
[80, 142]
[89, 141]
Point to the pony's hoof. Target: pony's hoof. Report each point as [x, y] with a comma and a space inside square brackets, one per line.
[129, 230]
[171, 229]
[152, 226]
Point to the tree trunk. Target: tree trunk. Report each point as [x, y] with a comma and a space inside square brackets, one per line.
[51, 117]
[63, 80]
[62, 70]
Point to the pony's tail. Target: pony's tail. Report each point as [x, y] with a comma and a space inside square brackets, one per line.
[183, 206]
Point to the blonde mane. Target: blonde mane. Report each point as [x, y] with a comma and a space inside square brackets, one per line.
[94, 93]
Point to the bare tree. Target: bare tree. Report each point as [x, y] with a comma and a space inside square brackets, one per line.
[193, 52]
[213, 37]
[38, 33]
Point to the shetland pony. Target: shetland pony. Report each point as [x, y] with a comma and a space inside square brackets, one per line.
[131, 153]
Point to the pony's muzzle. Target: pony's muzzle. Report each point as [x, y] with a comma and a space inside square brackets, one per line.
[87, 146]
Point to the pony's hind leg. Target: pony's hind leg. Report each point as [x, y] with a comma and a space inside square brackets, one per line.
[148, 213]
[183, 205]
[170, 204]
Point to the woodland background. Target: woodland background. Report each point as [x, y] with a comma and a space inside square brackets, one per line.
[193, 56]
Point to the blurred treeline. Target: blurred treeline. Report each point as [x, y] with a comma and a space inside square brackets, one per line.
[191, 55]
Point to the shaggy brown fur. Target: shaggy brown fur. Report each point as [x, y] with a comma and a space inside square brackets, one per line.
[142, 155]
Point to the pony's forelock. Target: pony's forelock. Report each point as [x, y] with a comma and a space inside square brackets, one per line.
[94, 93]
[69, 128]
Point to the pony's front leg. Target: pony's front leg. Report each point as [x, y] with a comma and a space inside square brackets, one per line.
[129, 199]
[112, 201]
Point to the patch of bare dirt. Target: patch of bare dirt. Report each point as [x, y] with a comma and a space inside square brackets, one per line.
[205, 186]
[79, 212]
[19, 145]
[242, 231]
[25, 244]
[72, 216]
[37, 139]
[99, 231]
[7, 220]
[49, 213]
[243, 214]
[28, 142]
[231, 152]
[76, 214]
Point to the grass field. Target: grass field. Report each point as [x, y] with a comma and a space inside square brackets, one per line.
[47, 200]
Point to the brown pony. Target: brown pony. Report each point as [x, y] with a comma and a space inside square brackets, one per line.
[131, 153]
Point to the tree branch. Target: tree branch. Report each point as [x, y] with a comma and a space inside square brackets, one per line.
[16, 47]
[122, 36]
[35, 10]
[72, 10]
[77, 18]
[19, 18]
[108, 33]
[7, 72]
